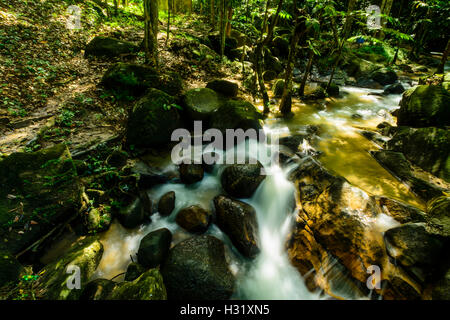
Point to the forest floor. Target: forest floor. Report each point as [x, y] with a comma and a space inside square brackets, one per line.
[50, 92]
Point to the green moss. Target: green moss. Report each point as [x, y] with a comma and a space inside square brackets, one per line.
[149, 286]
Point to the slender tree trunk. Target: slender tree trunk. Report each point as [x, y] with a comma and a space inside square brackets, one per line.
[213, 15]
[307, 71]
[441, 67]
[229, 18]
[222, 27]
[169, 4]
[116, 7]
[346, 29]
[151, 32]
[258, 57]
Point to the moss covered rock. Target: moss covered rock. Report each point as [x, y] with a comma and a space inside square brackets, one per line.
[438, 216]
[149, 286]
[109, 47]
[278, 87]
[428, 148]
[201, 103]
[38, 192]
[424, 106]
[225, 87]
[132, 79]
[236, 114]
[55, 277]
[153, 119]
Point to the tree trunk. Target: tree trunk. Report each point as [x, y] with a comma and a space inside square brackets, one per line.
[346, 29]
[213, 15]
[230, 17]
[169, 4]
[440, 69]
[301, 91]
[222, 27]
[116, 7]
[151, 32]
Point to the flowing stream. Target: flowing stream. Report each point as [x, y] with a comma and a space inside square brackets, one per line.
[270, 275]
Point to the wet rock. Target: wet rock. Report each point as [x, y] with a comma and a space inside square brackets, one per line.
[196, 269]
[224, 87]
[191, 173]
[333, 89]
[10, 268]
[134, 270]
[374, 137]
[153, 119]
[401, 212]
[386, 129]
[154, 247]
[293, 142]
[194, 219]
[85, 255]
[427, 148]
[438, 216]
[395, 88]
[368, 83]
[238, 220]
[278, 87]
[318, 93]
[148, 176]
[43, 187]
[134, 214]
[201, 103]
[149, 286]
[424, 106]
[109, 47]
[384, 76]
[166, 203]
[236, 114]
[398, 165]
[98, 289]
[414, 248]
[242, 180]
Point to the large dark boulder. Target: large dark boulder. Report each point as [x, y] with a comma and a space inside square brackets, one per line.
[134, 214]
[201, 103]
[395, 88]
[154, 247]
[132, 79]
[191, 173]
[428, 148]
[194, 219]
[242, 180]
[134, 270]
[42, 189]
[153, 119]
[166, 203]
[109, 47]
[236, 114]
[196, 269]
[424, 106]
[238, 220]
[225, 87]
[384, 76]
[415, 249]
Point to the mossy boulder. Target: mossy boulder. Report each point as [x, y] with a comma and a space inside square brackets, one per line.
[132, 79]
[39, 191]
[134, 270]
[428, 148]
[236, 114]
[10, 268]
[201, 103]
[225, 87]
[109, 47]
[278, 87]
[149, 286]
[384, 76]
[153, 119]
[424, 106]
[438, 216]
[196, 269]
[97, 219]
[85, 255]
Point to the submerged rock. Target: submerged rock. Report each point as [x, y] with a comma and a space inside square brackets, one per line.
[85, 255]
[154, 247]
[39, 191]
[196, 269]
[153, 119]
[194, 219]
[424, 106]
[238, 220]
[109, 47]
[242, 180]
[166, 203]
[225, 87]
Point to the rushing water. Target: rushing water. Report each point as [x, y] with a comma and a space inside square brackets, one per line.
[270, 275]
